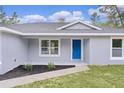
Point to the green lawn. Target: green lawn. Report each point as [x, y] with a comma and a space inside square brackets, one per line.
[96, 77]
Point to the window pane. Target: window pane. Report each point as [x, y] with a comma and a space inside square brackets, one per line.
[117, 43]
[54, 43]
[45, 43]
[54, 51]
[116, 52]
[44, 51]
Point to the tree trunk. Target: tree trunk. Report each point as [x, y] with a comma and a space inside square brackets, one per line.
[119, 15]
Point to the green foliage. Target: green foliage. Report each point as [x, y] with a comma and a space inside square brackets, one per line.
[13, 19]
[104, 24]
[2, 15]
[108, 24]
[28, 67]
[114, 15]
[8, 20]
[51, 66]
[94, 17]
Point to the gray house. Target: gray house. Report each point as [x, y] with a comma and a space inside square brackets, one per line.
[76, 43]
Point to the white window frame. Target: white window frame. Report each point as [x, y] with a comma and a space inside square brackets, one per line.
[111, 48]
[49, 55]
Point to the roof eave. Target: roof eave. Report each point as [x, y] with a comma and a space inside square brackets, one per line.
[59, 34]
[10, 31]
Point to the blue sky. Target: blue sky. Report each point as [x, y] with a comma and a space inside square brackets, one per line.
[50, 12]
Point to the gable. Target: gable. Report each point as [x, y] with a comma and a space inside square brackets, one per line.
[78, 26]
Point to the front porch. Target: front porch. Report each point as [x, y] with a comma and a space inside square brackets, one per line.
[68, 51]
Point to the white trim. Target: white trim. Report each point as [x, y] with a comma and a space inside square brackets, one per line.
[73, 34]
[71, 48]
[10, 30]
[82, 52]
[117, 58]
[82, 22]
[49, 55]
[59, 34]
[110, 48]
[82, 49]
[0, 48]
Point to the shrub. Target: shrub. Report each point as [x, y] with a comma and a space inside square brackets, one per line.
[28, 67]
[51, 66]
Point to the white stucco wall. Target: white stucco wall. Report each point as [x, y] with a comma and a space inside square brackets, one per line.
[96, 51]
[86, 51]
[14, 51]
[64, 58]
[100, 51]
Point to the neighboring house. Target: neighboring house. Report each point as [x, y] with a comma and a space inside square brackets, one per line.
[60, 43]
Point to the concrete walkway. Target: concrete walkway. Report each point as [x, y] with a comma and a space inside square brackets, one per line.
[42, 76]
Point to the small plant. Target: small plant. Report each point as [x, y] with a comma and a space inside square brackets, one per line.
[28, 67]
[51, 66]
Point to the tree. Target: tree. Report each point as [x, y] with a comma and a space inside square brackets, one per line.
[122, 15]
[119, 14]
[2, 15]
[113, 13]
[13, 19]
[8, 20]
[94, 17]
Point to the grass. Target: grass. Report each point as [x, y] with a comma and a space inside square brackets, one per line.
[110, 76]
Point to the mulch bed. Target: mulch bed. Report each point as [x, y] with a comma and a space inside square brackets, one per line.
[19, 71]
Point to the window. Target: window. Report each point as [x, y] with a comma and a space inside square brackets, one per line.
[49, 47]
[45, 47]
[117, 48]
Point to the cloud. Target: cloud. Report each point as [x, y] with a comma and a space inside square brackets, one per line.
[66, 15]
[59, 15]
[32, 19]
[77, 13]
[91, 11]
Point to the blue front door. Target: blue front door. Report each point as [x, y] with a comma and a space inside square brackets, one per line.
[76, 49]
